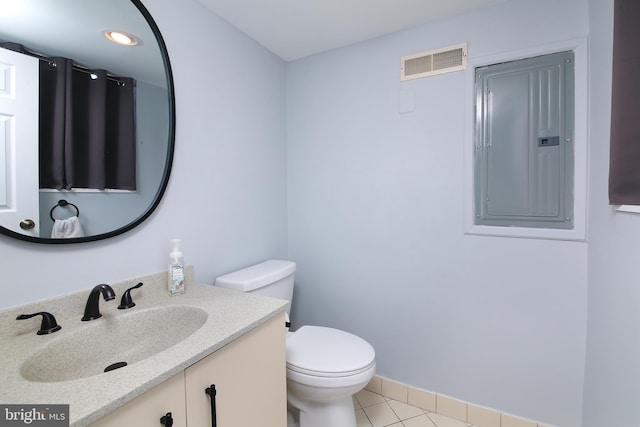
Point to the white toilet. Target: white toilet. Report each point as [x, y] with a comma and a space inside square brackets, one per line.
[325, 366]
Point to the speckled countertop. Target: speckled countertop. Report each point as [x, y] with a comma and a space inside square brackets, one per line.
[230, 314]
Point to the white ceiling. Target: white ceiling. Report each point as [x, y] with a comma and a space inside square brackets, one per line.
[72, 28]
[293, 29]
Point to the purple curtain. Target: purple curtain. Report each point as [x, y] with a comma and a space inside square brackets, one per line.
[624, 164]
[87, 126]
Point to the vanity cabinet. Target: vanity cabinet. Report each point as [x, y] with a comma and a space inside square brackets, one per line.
[249, 375]
[146, 409]
[250, 381]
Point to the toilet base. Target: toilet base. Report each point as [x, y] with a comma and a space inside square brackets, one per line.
[325, 401]
[339, 412]
[292, 417]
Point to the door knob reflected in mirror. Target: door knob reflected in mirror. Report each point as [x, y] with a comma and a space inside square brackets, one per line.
[27, 224]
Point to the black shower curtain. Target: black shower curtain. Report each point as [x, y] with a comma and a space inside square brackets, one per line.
[87, 126]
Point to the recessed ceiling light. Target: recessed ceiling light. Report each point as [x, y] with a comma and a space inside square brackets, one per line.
[121, 38]
[12, 8]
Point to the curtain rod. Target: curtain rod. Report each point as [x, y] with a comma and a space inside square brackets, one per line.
[82, 69]
[26, 51]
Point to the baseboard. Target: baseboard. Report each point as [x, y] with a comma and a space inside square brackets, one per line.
[448, 406]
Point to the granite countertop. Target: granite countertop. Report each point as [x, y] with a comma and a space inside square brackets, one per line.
[230, 314]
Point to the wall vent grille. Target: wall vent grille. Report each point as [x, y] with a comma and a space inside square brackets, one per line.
[434, 62]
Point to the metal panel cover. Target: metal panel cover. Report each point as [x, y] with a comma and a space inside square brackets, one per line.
[524, 136]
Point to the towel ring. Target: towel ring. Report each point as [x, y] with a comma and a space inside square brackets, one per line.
[63, 202]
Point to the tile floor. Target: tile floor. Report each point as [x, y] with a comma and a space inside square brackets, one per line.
[375, 410]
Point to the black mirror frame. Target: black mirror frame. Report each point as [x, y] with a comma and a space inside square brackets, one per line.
[169, 161]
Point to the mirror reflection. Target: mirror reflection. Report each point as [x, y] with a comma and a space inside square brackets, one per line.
[77, 177]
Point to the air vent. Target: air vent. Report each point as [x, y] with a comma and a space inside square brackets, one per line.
[433, 62]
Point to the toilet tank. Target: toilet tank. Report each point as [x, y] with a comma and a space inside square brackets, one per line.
[273, 278]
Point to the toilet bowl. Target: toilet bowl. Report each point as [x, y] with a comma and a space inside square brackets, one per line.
[325, 366]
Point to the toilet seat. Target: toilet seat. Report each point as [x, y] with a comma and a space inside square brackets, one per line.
[325, 367]
[318, 351]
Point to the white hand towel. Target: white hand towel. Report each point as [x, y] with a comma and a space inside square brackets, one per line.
[67, 228]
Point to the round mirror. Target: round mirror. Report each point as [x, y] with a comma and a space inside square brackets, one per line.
[74, 179]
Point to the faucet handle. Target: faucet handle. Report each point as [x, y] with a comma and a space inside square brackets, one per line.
[48, 325]
[126, 301]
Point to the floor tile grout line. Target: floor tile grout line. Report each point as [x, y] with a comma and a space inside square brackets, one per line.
[368, 419]
[365, 414]
[418, 416]
[398, 415]
[386, 400]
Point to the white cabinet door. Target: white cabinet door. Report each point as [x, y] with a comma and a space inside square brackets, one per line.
[147, 409]
[249, 375]
[19, 142]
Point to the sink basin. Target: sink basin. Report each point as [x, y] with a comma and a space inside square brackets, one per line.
[112, 342]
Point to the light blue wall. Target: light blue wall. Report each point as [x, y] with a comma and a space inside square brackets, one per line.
[227, 195]
[376, 206]
[612, 380]
[375, 202]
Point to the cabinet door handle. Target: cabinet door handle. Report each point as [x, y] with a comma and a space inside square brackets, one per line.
[211, 391]
[167, 420]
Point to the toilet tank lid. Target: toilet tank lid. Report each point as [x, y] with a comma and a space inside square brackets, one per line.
[256, 276]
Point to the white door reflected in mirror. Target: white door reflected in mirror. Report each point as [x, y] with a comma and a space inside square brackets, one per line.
[19, 195]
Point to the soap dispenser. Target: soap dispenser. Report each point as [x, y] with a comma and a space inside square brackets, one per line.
[176, 270]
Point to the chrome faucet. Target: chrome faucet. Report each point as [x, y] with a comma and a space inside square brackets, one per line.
[91, 310]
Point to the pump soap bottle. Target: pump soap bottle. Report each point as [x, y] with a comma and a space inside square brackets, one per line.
[176, 270]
